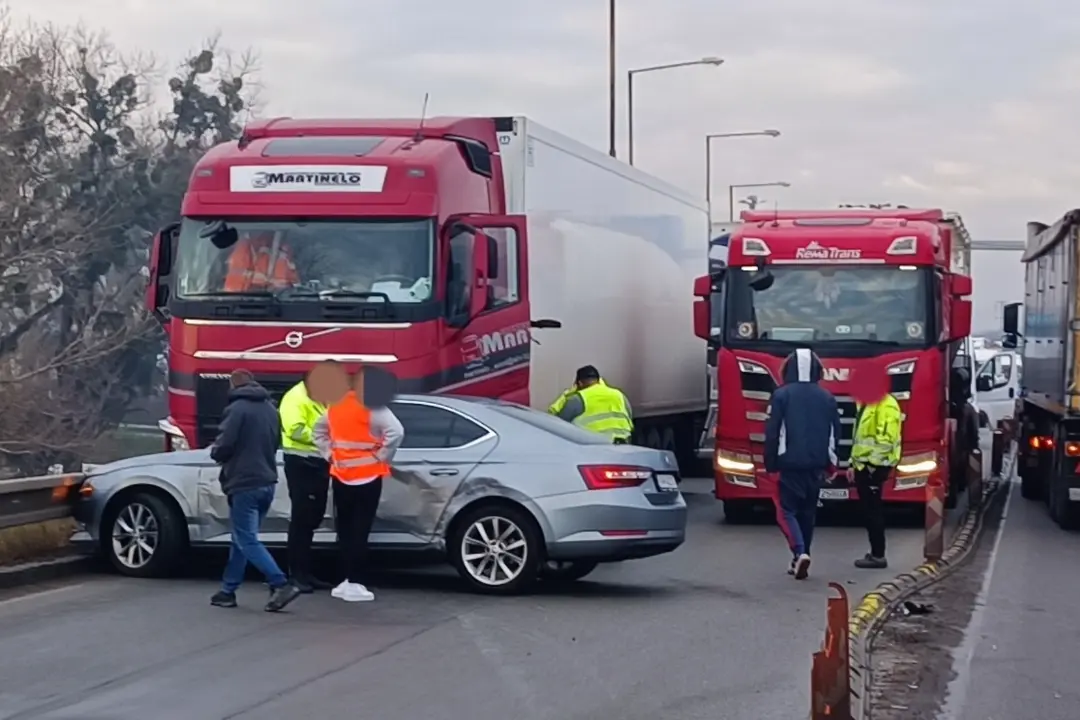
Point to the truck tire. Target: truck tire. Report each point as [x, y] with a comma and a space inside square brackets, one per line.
[1030, 487]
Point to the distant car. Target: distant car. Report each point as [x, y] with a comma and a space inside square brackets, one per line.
[507, 494]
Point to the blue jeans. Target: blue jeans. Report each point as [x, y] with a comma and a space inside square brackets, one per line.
[247, 510]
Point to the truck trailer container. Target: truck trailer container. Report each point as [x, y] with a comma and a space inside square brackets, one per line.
[485, 256]
[1048, 460]
[881, 289]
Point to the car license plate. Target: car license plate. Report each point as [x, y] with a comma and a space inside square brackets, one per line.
[666, 483]
[834, 494]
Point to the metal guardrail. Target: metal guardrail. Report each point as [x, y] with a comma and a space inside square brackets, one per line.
[24, 501]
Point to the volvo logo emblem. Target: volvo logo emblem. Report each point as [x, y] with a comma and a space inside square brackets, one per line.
[294, 339]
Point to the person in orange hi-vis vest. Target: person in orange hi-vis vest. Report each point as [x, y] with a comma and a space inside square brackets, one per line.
[258, 263]
[359, 442]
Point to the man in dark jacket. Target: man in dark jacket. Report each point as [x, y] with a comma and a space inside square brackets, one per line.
[800, 444]
[246, 448]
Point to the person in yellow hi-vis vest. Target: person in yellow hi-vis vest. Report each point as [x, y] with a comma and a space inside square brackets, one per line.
[308, 477]
[594, 405]
[875, 451]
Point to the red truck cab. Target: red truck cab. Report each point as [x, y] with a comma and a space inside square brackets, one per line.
[857, 287]
[399, 250]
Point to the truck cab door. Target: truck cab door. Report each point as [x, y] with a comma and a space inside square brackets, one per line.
[487, 347]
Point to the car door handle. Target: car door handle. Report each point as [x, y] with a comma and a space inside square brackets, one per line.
[1012, 393]
[441, 472]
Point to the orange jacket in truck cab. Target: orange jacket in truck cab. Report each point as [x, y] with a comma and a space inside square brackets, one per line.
[255, 264]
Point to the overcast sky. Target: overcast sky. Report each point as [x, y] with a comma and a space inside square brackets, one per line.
[956, 103]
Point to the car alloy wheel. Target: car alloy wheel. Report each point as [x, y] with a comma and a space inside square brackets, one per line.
[494, 551]
[135, 536]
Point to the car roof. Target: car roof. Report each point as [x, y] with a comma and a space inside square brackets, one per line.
[460, 402]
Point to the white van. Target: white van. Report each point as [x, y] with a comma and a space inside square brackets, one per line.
[997, 385]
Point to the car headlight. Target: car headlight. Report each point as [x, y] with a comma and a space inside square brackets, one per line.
[177, 440]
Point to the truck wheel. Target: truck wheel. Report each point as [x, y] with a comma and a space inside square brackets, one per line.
[497, 549]
[952, 496]
[1030, 487]
[142, 536]
[738, 512]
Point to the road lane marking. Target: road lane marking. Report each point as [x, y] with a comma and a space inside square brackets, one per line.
[41, 594]
[956, 693]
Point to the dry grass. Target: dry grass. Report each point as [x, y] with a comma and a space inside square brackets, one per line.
[32, 542]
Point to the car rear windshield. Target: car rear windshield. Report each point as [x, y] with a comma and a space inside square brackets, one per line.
[551, 424]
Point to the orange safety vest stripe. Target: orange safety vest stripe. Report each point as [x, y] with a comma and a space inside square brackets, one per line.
[352, 444]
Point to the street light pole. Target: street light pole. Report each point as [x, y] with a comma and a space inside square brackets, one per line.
[714, 61]
[708, 157]
[611, 78]
[731, 193]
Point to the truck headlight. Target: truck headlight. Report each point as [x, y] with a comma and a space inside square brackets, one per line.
[914, 470]
[736, 463]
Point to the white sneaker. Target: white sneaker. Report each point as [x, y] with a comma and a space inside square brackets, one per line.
[352, 592]
[802, 567]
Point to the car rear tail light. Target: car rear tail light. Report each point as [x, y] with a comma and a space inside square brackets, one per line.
[608, 477]
[1072, 448]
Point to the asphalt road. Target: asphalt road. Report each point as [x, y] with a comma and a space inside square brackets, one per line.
[714, 630]
[1021, 653]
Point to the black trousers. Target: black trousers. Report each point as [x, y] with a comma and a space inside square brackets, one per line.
[355, 507]
[869, 482]
[308, 479]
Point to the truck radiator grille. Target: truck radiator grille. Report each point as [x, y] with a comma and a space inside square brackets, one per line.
[211, 395]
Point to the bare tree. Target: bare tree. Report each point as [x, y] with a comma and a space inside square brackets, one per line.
[89, 173]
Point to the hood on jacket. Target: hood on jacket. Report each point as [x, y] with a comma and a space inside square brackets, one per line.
[253, 392]
[801, 366]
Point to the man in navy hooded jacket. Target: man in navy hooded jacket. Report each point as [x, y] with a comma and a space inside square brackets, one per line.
[800, 444]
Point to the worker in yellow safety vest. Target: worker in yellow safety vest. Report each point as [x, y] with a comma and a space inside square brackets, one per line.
[594, 405]
[875, 451]
[307, 475]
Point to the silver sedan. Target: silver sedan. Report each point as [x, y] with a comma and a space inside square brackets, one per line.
[505, 493]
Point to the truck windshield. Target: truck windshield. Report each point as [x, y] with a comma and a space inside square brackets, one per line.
[305, 260]
[823, 303]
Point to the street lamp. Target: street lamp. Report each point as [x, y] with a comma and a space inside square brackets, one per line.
[731, 193]
[611, 77]
[714, 61]
[708, 156]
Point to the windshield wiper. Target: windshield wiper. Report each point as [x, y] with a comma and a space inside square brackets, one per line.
[340, 293]
[227, 294]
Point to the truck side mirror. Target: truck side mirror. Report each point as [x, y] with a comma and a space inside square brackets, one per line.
[960, 286]
[702, 286]
[984, 383]
[960, 322]
[1011, 319]
[162, 252]
[702, 321]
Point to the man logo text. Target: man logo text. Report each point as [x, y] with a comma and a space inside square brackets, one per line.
[836, 374]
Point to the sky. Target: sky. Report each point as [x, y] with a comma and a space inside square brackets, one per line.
[958, 104]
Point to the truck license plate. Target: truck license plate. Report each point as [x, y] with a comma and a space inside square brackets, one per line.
[834, 494]
[666, 483]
